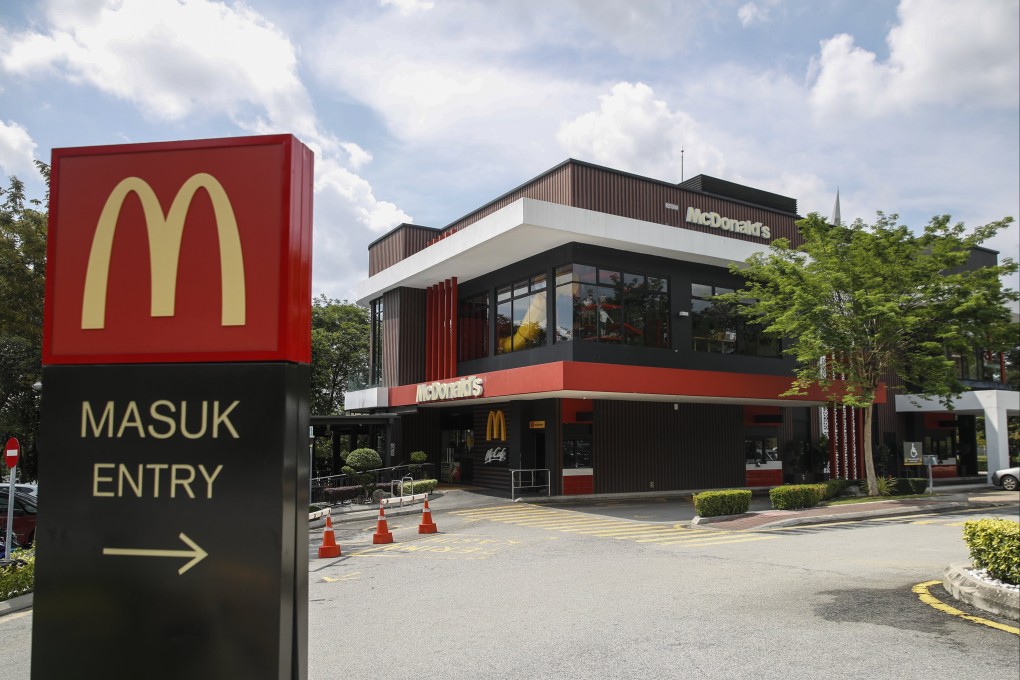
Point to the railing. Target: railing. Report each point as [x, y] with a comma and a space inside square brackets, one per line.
[383, 477]
[531, 480]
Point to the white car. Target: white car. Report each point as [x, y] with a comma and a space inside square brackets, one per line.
[1008, 479]
[31, 489]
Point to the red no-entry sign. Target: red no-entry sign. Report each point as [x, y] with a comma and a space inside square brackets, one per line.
[11, 452]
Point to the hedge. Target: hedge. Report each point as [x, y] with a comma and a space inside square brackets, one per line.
[795, 496]
[727, 502]
[834, 488]
[420, 486]
[342, 494]
[995, 545]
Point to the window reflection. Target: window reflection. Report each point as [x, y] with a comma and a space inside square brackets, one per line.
[719, 327]
[607, 305]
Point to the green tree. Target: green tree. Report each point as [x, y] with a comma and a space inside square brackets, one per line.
[22, 283]
[874, 303]
[339, 351]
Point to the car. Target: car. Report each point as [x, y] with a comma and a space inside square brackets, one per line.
[1008, 479]
[30, 489]
[24, 516]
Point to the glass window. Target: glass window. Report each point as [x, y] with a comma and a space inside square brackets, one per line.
[521, 320]
[623, 308]
[584, 273]
[719, 327]
[576, 453]
[473, 328]
[376, 353]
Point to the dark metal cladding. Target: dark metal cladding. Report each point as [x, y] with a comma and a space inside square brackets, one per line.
[403, 328]
[400, 243]
[494, 475]
[725, 189]
[641, 444]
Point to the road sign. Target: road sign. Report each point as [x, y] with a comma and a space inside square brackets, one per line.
[11, 452]
[188, 485]
[912, 453]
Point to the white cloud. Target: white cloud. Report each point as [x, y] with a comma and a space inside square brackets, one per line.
[753, 13]
[17, 150]
[406, 7]
[632, 130]
[941, 52]
[177, 60]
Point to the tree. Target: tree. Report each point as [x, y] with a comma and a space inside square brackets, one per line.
[873, 303]
[22, 283]
[339, 351]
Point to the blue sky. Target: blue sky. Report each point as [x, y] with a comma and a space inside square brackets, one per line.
[421, 110]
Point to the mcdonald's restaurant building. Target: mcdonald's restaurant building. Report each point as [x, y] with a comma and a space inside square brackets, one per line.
[568, 326]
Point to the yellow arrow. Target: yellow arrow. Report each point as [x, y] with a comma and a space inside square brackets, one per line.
[196, 554]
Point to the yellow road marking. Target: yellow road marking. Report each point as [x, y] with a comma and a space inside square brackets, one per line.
[921, 589]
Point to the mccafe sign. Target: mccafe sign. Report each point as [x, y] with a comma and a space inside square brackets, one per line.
[470, 386]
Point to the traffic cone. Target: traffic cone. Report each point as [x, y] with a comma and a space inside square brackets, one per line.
[329, 548]
[382, 534]
[427, 526]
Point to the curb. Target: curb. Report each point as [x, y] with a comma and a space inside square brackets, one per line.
[805, 520]
[959, 583]
[16, 604]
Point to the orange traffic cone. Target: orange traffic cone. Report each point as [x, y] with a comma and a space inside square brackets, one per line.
[427, 526]
[382, 534]
[329, 548]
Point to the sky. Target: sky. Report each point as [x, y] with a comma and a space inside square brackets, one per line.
[423, 110]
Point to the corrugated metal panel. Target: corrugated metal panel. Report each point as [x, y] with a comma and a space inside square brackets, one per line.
[421, 432]
[553, 186]
[402, 242]
[403, 329]
[615, 193]
[493, 475]
[692, 446]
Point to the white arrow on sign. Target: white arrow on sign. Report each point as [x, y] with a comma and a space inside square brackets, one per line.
[196, 554]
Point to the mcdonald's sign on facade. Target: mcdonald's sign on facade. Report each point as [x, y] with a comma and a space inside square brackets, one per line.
[495, 426]
[180, 252]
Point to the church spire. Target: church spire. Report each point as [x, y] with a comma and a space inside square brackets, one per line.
[835, 210]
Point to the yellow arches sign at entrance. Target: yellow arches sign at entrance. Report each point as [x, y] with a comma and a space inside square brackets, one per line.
[495, 426]
[165, 234]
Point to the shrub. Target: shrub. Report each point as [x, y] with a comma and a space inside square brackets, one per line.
[885, 485]
[995, 545]
[420, 486]
[363, 460]
[417, 458]
[18, 577]
[834, 488]
[918, 484]
[379, 494]
[901, 487]
[795, 496]
[342, 494]
[359, 464]
[727, 502]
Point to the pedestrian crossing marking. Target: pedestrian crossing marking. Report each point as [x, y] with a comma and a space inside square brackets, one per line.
[573, 522]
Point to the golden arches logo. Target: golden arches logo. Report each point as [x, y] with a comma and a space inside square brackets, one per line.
[164, 233]
[495, 427]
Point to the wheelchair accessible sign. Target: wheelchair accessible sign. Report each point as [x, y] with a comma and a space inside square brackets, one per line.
[912, 453]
